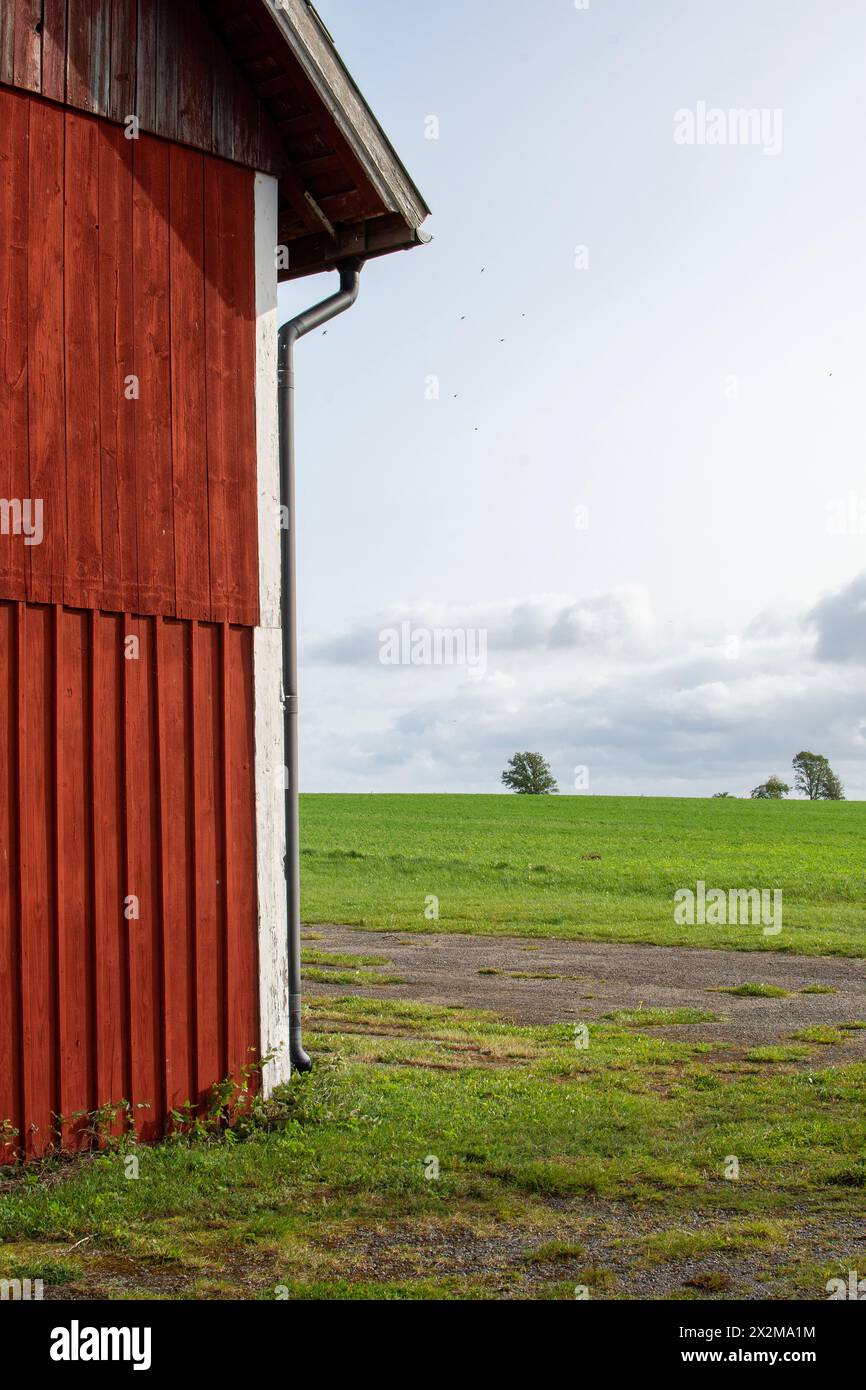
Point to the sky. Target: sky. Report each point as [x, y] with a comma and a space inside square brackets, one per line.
[609, 424]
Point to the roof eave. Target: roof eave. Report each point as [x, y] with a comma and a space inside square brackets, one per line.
[314, 51]
[377, 236]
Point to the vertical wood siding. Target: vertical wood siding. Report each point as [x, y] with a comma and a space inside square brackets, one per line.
[118, 259]
[159, 60]
[123, 778]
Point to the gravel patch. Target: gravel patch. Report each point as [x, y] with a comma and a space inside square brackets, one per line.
[587, 979]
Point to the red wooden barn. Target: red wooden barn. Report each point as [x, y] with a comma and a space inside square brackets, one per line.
[161, 161]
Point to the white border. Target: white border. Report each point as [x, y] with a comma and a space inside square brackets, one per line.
[267, 661]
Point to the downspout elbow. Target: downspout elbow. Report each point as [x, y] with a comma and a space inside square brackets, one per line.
[299, 1058]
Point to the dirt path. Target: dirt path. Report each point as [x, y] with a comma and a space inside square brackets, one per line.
[582, 981]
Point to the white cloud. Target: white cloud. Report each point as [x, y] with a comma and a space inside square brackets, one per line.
[614, 622]
[649, 708]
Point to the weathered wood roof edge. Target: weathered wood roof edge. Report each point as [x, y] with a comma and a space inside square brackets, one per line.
[314, 49]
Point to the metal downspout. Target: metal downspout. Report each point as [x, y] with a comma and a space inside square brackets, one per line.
[289, 334]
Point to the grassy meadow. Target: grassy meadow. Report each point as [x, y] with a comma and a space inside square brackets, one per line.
[438, 1153]
[603, 868]
[445, 1153]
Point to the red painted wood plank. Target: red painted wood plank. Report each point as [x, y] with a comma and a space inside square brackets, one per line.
[83, 567]
[143, 885]
[27, 57]
[46, 356]
[244, 603]
[111, 1006]
[11, 1112]
[188, 382]
[37, 757]
[54, 49]
[153, 441]
[116, 369]
[208, 834]
[230, 309]
[174, 679]
[221, 418]
[241, 926]
[14, 456]
[74, 793]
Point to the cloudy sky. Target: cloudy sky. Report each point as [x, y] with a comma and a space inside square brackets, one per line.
[612, 419]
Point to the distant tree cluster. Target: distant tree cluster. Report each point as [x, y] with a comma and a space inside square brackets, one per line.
[813, 777]
[529, 774]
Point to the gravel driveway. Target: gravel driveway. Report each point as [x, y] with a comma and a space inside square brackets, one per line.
[580, 980]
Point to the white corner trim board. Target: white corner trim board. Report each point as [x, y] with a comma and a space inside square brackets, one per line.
[267, 661]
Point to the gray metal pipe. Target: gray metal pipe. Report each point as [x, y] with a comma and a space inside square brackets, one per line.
[290, 332]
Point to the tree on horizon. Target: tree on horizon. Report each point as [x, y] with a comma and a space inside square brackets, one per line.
[774, 789]
[815, 778]
[529, 774]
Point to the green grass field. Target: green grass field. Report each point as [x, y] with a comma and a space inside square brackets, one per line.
[604, 868]
[437, 1153]
[452, 1155]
